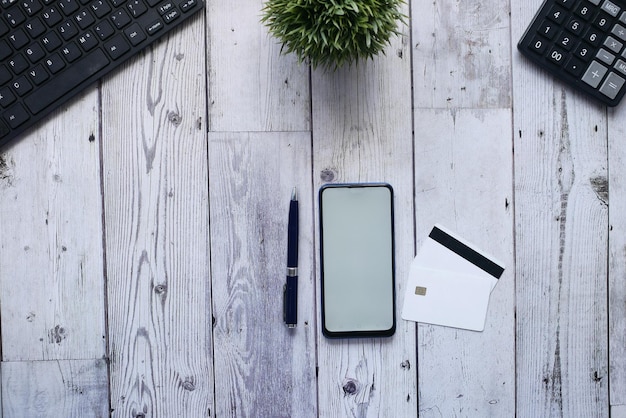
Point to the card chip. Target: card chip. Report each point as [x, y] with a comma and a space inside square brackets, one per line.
[419, 290]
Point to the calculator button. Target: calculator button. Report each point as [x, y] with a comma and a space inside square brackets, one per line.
[602, 21]
[575, 26]
[583, 51]
[594, 74]
[565, 41]
[575, 67]
[620, 66]
[622, 18]
[584, 11]
[605, 56]
[556, 56]
[610, 7]
[613, 44]
[557, 14]
[566, 3]
[548, 29]
[619, 31]
[594, 2]
[594, 37]
[538, 45]
[612, 85]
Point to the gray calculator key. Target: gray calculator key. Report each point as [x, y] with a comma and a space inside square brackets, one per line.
[612, 85]
[621, 66]
[613, 44]
[594, 74]
[605, 56]
[619, 31]
[622, 18]
[611, 8]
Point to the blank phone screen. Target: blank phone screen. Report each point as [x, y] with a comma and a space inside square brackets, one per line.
[356, 231]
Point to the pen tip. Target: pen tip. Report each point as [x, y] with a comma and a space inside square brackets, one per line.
[294, 194]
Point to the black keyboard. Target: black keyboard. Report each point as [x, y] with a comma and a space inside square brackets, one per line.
[582, 43]
[50, 50]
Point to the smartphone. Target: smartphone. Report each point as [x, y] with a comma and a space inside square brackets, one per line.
[357, 260]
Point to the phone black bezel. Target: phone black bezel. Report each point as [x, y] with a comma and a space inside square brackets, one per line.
[358, 334]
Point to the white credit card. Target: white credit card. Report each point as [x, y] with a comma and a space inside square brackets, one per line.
[450, 282]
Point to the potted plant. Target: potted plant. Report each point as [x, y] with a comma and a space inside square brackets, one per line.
[331, 33]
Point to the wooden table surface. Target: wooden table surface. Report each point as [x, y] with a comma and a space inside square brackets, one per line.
[143, 229]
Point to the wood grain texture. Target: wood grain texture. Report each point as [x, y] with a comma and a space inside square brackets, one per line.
[561, 245]
[252, 87]
[617, 259]
[156, 212]
[473, 197]
[362, 132]
[461, 54]
[262, 369]
[51, 268]
[59, 388]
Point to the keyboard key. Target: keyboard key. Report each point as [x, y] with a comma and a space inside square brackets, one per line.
[18, 64]
[54, 63]
[31, 6]
[104, 30]
[5, 74]
[120, 18]
[157, 25]
[6, 97]
[71, 52]
[136, 8]
[84, 19]
[5, 50]
[612, 85]
[68, 30]
[18, 39]
[51, 16]
[16, 115]
[34, 53]
[4, 129]
[187, 5]
[22, 86]
[87, 41]
[135, 35]
[14, 17]
[100, 8]
[68, 6]
[51, 41]
[35, 28]
[116, 47]
[65, 81]
[38, 75]
[594, 74]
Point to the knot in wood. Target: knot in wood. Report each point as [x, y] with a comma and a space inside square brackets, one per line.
[350, 387]
[327, 175]
[188, 385]
[160, 289]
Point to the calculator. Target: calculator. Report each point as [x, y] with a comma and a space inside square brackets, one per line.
[581, 42]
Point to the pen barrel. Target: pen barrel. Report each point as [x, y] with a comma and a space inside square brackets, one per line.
[291, 301]
[292, 234]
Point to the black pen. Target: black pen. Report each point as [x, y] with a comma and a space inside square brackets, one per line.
[290, 291]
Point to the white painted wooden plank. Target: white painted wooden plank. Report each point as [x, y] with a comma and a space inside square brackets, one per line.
[362, 132]
[618, 411]
[60, 388]
[252, 87]
[617, 260]
[156, 214]
[51, 268]
[463, 180]
[461, 54]
[561, 246]
[261, 368]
